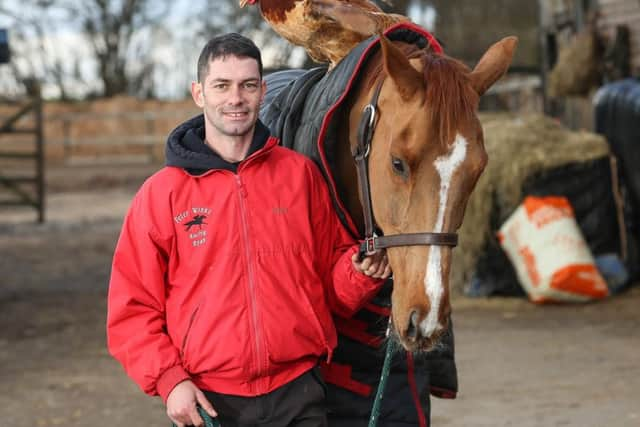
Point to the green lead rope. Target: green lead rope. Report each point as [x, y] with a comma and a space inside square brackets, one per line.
[386, 368]
[208, 421]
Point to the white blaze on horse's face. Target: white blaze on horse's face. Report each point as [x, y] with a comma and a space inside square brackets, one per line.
[446, 167]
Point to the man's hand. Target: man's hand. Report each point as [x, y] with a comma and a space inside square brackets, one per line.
[181, 405]
[376, 265]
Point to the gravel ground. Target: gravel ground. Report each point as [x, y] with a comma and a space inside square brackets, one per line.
[519, 364]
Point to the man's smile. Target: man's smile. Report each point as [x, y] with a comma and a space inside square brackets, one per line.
[236, 114]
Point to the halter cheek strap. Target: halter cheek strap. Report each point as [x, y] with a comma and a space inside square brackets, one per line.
[372, 242]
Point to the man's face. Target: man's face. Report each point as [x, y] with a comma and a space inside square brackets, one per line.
[230, 95]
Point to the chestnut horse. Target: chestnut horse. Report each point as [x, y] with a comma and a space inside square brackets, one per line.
[426, 153]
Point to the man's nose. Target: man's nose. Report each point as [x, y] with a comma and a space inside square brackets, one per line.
[235, 95]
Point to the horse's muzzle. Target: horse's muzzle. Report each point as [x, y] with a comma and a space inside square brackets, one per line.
[412, 338]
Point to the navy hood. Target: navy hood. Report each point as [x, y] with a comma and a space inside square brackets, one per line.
[186, 147]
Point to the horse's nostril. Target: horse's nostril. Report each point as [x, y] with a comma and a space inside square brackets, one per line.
[412, 330]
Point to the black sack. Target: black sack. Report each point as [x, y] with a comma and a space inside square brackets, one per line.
[617, 118]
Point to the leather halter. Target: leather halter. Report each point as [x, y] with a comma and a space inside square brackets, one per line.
[372, 242]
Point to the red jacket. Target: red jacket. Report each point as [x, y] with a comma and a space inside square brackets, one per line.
[229, 279]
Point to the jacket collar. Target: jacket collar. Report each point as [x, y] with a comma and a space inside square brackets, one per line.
[186, 148]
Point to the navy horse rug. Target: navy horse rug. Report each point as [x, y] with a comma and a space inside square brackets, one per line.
[301, 108]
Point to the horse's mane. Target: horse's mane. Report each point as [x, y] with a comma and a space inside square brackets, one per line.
[449, 95]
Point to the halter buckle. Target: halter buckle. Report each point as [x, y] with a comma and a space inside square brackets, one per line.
[370, 244]
[367, 247]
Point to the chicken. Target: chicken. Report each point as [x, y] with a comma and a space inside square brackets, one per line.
[326, 29]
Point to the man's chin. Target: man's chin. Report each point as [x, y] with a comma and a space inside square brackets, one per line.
[238, 130]
[233, 128]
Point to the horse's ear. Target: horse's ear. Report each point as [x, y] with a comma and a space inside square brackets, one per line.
[407, 79]
[493, 64]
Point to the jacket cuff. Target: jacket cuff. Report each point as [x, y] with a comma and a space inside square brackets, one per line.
[169, 379]
[358, 288]
[357, 276]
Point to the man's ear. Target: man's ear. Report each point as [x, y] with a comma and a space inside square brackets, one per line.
[264, 90]
[196, 94]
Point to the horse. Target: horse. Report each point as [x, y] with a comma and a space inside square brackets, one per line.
[409, 118]
[426, 154]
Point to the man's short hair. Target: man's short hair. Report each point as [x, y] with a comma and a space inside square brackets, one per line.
[224, 45]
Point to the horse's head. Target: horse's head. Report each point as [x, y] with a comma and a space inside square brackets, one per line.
[426, 155]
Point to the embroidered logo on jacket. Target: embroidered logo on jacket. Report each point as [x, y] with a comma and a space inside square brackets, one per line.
[194, 221]
[197, 220]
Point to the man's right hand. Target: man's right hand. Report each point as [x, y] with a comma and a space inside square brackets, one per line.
[181, 405]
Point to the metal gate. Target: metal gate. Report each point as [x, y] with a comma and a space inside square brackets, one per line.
[22, 157]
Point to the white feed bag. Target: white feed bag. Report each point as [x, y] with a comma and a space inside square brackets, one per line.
[551, 258]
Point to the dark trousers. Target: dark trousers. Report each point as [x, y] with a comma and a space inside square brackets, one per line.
[299, 403]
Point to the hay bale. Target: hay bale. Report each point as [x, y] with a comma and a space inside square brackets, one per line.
[518, 147]
[577, 70]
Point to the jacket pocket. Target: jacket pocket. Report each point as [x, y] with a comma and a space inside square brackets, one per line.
[211, 345]
[316, 319]
[187, 333]
[296, 333]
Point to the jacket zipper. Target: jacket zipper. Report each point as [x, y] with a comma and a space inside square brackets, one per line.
[251, 277]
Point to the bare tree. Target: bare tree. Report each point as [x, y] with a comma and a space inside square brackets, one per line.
[119, 35]
[35, 57]
[111, 27]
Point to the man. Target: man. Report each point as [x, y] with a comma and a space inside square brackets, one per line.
[230, 261]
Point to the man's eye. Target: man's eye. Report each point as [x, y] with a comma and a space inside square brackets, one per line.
[251, 86]
[220, 86]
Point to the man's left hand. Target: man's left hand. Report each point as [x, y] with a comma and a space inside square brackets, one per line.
[375, 266]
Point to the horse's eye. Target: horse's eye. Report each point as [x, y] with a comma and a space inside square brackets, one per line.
[399, 166]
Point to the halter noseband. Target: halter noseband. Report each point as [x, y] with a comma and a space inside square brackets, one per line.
[372, 242]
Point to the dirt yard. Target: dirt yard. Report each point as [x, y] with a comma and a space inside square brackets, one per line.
[519, 364]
